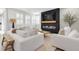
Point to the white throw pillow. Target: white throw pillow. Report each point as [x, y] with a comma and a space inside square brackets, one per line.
[67, 30]
[74, 34]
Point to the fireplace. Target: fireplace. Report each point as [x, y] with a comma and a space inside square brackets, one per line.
[50, 20]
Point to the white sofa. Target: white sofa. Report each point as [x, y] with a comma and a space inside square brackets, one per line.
[64, 42]
[30, 43]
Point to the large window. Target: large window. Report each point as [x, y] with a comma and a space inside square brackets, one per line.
[19, 18]
[2, 18]
[27, 19]
[0, 22]
[36, 21]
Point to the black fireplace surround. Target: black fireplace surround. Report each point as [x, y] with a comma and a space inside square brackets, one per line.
[50, 20]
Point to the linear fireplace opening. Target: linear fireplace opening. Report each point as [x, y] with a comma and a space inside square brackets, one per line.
[50, 20]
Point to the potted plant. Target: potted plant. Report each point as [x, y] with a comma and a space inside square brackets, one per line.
[70, 19]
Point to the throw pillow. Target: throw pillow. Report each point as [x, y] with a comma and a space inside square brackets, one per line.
[61, 32]
[74, 34]
[67, 30]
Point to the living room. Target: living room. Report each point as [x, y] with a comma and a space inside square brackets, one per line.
[57, 29]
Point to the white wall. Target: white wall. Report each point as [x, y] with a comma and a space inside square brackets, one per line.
[74, 11]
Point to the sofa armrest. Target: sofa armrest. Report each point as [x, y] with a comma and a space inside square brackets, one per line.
[30, 43]
[39, 35]
[20, 38]
[64, 42]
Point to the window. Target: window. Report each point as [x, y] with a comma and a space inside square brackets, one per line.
[36, 21]
[0, 23]
[2, 18]
[19, 18]
[27, 19]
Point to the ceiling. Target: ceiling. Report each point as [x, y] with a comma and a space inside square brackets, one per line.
[35, 10]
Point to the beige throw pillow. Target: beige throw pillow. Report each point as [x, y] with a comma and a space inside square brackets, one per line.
[61, 32]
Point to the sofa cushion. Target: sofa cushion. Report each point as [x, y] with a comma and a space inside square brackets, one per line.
[67, 30]
[21, 33]
[26, 33]
[22, 27]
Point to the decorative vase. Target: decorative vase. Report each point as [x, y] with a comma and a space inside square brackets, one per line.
[13, 26]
